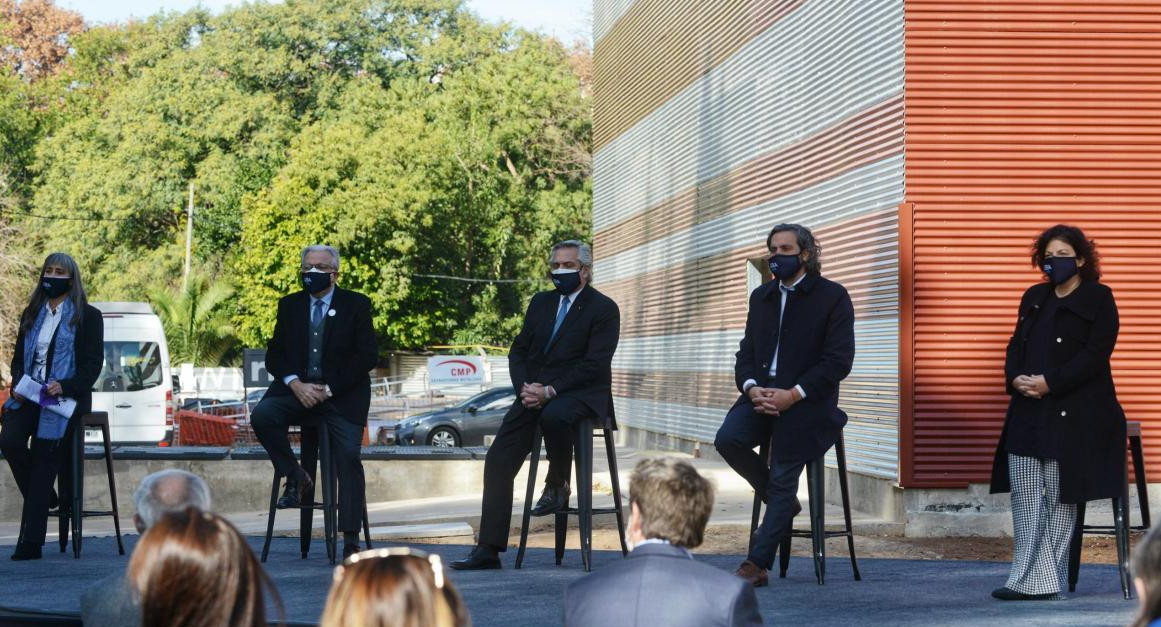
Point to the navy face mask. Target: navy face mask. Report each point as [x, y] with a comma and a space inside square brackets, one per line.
[1059, 269]
[54, 286]
[316, 282]
[784, 266]
[566, 281]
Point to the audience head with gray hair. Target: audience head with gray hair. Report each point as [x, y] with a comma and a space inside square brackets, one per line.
[570, 266]
[167, 491]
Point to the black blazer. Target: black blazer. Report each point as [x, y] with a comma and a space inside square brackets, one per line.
[658, 584]
[1091, 436]
[89, 350]
[817, 351]
[349, 351]
[579, 363]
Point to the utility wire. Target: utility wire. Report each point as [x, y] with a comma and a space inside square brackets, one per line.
[469, 280]
[39, 216]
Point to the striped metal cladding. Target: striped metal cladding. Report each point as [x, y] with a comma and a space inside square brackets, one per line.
[802, 123]
[661, 46]
[1021, 115]
[824, 63]
[606, 13]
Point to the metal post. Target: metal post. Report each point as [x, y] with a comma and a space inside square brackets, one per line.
[188, 237]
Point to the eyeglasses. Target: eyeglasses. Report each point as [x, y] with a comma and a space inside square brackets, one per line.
[321, 267]
[373, 554]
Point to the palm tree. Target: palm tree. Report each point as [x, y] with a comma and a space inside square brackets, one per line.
[197, 326]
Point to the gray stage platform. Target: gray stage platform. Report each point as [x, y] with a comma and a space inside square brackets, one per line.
[893, 592]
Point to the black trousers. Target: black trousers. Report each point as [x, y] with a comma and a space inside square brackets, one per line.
[506, 455]
[35, 464]
[743, 430]
[271, 421]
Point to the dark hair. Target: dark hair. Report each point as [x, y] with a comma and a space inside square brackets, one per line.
[1085, 249]
[1146, 566]
[806, 242]
[393, 591]
[37, 299]
[193, 568]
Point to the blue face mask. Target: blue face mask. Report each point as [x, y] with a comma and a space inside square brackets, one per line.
[316, 282]
[1059, 269]
[785, 266]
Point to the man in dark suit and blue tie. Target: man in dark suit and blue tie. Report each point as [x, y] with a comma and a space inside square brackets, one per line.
[320, 356]
[798, 345]
[660, 583]
[561, 363]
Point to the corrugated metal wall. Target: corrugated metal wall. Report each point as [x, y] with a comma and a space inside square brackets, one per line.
[713, 121]
[1021, 115]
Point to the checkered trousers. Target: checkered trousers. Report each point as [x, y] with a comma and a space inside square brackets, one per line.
[1041, 524]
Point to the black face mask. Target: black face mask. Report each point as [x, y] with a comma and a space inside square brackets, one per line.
[316, 282]
[785, 266]
[54, 286]
[566, 281]
[1059, 269]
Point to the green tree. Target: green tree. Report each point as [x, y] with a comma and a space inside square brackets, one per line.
[196, 321]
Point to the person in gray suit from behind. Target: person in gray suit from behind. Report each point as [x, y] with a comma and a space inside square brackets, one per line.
[659, 582]
[109, 602]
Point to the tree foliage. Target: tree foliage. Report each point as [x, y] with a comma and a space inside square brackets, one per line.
[417, 139]
[196, 322]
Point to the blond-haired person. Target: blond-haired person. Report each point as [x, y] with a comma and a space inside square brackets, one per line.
[395, 587]
[659, 582]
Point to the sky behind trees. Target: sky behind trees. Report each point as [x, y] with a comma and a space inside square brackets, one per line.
[564, 19]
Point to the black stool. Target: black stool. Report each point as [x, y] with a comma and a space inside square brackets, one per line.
[311, 452]
[816, 488]
[72, 511]
[1121, 523]
[583, 452]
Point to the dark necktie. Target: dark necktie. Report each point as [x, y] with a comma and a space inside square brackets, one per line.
[560, 314]
[317, 314]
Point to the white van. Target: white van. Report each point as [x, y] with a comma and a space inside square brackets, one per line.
[135, 385]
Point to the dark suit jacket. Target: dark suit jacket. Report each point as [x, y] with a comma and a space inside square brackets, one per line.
[817, 351]
[578, 364]
[349, 351]
[1082, 398]
[89, 351]
[658, 584]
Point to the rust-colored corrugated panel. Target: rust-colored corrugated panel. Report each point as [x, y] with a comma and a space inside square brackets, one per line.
[1021, 115]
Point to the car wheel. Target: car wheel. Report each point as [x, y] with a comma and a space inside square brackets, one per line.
[443, 437]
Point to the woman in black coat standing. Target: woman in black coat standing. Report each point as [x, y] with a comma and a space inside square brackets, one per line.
[60, 346]
[1063, 441]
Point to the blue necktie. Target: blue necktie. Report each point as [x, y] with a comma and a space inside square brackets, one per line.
[317, 314]
[560, 313]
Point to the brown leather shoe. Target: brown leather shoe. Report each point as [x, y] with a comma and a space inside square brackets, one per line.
[753, 573]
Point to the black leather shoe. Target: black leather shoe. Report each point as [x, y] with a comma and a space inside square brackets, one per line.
[1008, 594]
[26, 551]
[552, 500]
[295, 492]
[482, 558]
[796, 509]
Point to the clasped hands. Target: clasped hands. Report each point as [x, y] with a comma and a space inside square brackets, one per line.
[309, 394]
[1032, 386]
[533, 395]
[772, 401]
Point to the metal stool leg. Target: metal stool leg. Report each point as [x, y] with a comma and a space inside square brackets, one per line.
[308, 454]
[1142, 484]
[841, 457]
[584, 479]
[611, 452]
[112, 485]
[366, 525]
[1074, 548]
[816, 487]
[533, 462]
[78, 489]
[1121, 521]
[270, 516]
[561, 528]
[328, 493]
[784, 554]
[756, 513]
